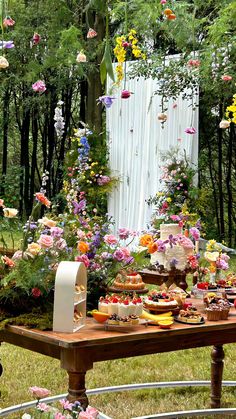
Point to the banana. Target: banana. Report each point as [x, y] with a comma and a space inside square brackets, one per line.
[156, 317]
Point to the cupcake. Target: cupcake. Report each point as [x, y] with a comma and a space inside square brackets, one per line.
[214, 312]
[225, 306]
[113, 319]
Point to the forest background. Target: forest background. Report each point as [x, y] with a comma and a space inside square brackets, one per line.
[29, 142]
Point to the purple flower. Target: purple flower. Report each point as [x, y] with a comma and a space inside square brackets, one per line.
[106, 255]
[161, 246]
[129, 260]
[172, 240]
[123, 233]
[7, 44]
[118, 255]
[221, 264]
[43, 407]
[106, 100]
[195, 233]
[56, 231]
[190, 130]
[79, 206]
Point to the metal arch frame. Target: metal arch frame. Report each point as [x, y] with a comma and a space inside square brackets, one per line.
[130, 387]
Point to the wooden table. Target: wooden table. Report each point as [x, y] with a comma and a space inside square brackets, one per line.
[77, 352]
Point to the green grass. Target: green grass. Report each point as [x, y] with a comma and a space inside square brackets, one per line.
[23, 369]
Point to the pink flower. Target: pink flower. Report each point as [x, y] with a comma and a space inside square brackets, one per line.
[60, 244]
[59, 415]
[90, 413]
[91, 33]
[43, 407]
[175, 217]
[8, 21]
[45, 241]
[118, 255]
[194, 63]
[195, 233]
[39, 86]
[125, 252]
[123, 233]
[185, 242]
[190, 130]
[225, 77]
[84, 259]
[39, 392]
[36, 292]
[110, 239]
[103, 180]
[2, 203]
[36, 38]
[66, 404]
[9, 262]
[225, 257]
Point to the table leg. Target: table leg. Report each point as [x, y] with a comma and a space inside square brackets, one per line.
[77, 390]
[217, 364]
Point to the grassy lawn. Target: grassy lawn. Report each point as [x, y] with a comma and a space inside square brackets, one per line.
[23, 369]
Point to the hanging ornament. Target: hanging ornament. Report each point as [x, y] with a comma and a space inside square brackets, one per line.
[36, 38]
[91, 33]
[81, 57]
[162, 117]
[167, 12]
[8, 21]
[125, 94]
[172, 16]
[39, 86]
[3, 62]
[224, 124]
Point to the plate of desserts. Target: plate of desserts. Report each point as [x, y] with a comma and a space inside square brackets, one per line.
[125, 322]
[190, 316]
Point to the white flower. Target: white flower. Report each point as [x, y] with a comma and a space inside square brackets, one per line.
[224, 124]
[26, 416]
[10, 212]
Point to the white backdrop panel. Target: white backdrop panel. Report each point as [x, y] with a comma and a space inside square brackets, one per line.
[136, 139]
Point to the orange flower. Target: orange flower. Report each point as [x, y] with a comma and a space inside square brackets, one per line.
[42, 198]
[152, 247]
[168, 12]
[83, 247]
[9, 262]
[146, 240]
[172, 16]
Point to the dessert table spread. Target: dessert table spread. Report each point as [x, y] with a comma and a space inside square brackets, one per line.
[78, 351]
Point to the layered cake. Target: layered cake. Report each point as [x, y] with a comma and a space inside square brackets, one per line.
[173, 248]
[128, 282]
[160, 301]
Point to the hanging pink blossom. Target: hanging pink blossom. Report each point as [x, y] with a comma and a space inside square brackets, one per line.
[190, 130]
[8, 21]
[125, 94]
[91, 33]
[225, 77]
[194, 63]
[163, 1]
[36, 38]
[39, 86]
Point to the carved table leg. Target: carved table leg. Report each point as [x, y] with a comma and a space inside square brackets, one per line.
[77, 390]
[217, 365]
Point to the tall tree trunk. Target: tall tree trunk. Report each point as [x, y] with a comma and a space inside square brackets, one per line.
[213, 183]
[94, 111]
[24, 161]
[220, 175]
[6, 101]
[34, 125]
[51, 138]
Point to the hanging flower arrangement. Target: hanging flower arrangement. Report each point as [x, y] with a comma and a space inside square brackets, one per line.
[124, 45]
[3, 62]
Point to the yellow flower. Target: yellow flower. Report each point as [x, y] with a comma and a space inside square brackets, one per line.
[169, 199]
[33, 248]
[47, 222]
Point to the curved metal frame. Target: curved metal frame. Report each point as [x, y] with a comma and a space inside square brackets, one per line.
[138, 386]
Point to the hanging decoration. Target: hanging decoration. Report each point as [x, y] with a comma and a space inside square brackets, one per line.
[3, 62]
[8, 21]
[91, 33]
[81, 57]
[36, 39]
[39, 86]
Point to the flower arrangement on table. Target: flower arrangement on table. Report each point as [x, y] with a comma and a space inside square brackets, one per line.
[28, 286]
[67, 410]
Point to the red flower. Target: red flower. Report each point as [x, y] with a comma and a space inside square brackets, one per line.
[36, 292]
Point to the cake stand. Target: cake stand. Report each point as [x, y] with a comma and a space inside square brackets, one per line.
[168, 278]
[119, 291]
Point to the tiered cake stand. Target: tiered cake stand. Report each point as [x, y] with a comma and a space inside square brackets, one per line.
[168, 278]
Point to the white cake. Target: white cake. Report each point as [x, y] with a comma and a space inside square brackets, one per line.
[178, 252]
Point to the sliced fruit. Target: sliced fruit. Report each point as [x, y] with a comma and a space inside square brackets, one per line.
[99, 316]
[165, 324]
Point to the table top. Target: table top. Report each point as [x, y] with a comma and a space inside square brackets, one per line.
[139, 340]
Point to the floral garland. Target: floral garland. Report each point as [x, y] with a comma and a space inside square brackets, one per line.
[122, 44]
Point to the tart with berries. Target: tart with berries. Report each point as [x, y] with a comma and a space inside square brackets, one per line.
[160, 301]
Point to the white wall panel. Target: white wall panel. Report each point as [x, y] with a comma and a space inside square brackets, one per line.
[136, 139]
